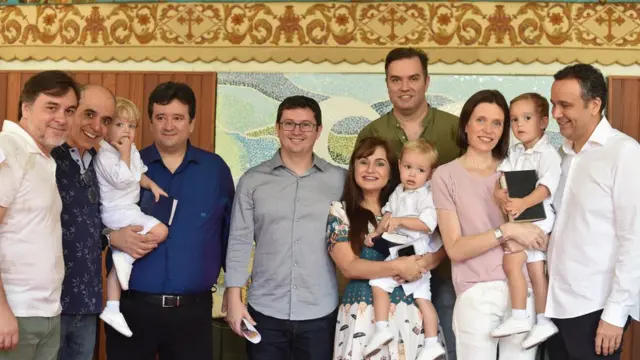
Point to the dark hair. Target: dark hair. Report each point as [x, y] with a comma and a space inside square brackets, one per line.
[352, 195]
[539, 102]
[499, 152]
[168, 91]
[300, 102]
[407, 53]
[591, 80]
[53, 83]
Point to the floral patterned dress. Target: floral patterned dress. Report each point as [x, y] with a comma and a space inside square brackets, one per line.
[356, 322]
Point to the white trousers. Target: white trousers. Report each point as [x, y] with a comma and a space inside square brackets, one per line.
[481, 309]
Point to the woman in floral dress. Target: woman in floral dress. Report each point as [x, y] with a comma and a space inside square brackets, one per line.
[373, 174]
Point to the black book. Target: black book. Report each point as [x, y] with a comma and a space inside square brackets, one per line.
[519, 184]
[163, 210]
[381, 245]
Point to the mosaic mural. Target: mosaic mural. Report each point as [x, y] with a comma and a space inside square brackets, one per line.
[247, 105]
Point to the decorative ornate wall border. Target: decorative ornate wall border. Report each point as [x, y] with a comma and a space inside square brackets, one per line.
[485, 32]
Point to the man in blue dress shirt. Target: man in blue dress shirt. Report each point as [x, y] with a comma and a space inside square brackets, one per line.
[168, 305]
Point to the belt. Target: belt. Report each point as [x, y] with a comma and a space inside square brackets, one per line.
[168, 301]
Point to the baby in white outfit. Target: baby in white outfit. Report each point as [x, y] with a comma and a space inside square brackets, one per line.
[120, 172]
[409, 219]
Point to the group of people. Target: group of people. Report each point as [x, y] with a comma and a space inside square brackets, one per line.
[413, 252]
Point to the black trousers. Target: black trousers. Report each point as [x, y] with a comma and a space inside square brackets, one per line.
[576, 339]
[293, 340]
[173, 333]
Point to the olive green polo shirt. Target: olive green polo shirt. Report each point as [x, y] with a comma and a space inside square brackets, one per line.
[439, 128]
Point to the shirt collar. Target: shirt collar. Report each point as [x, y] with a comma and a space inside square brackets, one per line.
[599, 136]
[66, 147]
[426, 120]
[14, 128]
[190, 156]
[544, 140]
[318, 162]
[422, 189]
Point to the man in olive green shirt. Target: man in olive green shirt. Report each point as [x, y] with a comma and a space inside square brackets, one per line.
[412, 118]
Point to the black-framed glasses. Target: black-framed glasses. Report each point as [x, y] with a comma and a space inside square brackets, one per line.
[305, 126]
[87, 180]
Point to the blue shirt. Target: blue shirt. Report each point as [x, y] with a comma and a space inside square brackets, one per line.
[81, 232]
[189, 260]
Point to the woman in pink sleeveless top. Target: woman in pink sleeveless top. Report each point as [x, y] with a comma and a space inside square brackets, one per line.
[474, 231]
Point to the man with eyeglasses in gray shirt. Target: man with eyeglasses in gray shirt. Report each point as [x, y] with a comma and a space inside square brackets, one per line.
[282, 205]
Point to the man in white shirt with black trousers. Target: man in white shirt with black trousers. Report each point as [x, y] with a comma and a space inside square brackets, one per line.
[594, 252]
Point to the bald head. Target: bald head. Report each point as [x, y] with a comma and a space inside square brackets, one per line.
[97, 105]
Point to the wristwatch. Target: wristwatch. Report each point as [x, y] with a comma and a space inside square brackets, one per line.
[107, 235]
[499, 235]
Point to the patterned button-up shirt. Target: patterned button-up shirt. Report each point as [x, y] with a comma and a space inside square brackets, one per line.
[81, 232]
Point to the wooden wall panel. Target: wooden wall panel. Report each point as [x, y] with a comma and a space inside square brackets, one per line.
[624, 114]
[624, 105]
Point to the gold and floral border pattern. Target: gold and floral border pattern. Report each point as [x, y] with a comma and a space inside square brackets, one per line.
[356, 32]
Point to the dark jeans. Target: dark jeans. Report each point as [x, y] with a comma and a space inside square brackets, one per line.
[293, 340]
[77, 337]
[576, 339]
[174, 333]
[443, 298]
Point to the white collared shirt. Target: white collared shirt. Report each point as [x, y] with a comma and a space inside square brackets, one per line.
[545, 160]
[119, 183]
[594, 252]
[416, 203]
[31, 260]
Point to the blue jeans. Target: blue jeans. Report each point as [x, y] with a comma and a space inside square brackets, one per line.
[78, 337]
[443, 298]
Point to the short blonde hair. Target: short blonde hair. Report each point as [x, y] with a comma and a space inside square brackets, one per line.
[423, 147]
[127, 109]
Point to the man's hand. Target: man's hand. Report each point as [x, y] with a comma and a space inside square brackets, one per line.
[608, 338]
[8, 329]
[128, 240]
[526, 234]
[515, 207]
[235, 309]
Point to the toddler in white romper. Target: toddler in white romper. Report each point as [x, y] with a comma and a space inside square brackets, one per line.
[528, 120]
[409, 218]
[120, 173]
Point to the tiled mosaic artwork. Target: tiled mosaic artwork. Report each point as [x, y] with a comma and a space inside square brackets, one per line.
[247, 105]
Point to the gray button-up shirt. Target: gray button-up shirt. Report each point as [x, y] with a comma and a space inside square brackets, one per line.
[293, 277]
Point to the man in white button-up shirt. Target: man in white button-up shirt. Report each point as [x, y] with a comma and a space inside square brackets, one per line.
[31, 263]
[594, 252]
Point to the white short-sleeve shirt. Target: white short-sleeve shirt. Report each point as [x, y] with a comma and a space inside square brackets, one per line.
[416, 203]
[545, 160]
[31, 260]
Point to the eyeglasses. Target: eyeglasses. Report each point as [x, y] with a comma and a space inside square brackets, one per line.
[86, 179]
[305, 126]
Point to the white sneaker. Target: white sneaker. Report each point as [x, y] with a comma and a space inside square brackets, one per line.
[378, 340]
[123, 269]
[539, 333]
[117, 321]
[510, 327]
[395, 238]
[432, 352]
